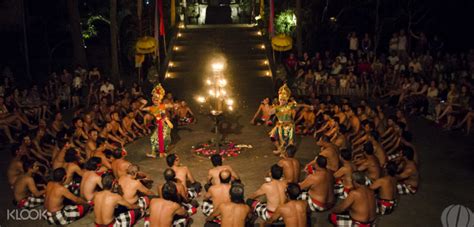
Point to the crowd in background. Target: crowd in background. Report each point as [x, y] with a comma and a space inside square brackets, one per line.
[415, 75]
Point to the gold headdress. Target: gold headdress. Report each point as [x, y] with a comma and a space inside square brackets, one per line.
[158, 93]
[284, 93]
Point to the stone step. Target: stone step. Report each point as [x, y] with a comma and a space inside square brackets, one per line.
[183, 57]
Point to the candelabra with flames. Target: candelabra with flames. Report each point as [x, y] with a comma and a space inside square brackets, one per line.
[217, 102]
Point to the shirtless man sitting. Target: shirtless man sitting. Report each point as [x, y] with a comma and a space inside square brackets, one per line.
[305, 122]
[359, 208]
[217, 194]
[91, 181]
[80, 136]
[233, 213]
[116, 128]
[56, 211]
[273, 190]
[290, 165]
[320, 186]
[105, 203]
[264, 113]
[15, 168]
[213, 174]
[387, 188]
[184, 114]
[328, 150]
[191, 206]
[73, 171]
[184, 175]
[131, 188]
[166, 211]
[25, 191]
[344, 175]
[91, 143]
[370, 164]
[409, 176]
[119, 163]
[131, 126]
[294, 211]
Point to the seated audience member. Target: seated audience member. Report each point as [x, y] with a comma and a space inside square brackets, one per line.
[273, 190]
[359, 208]
[319, 186]
[57, 212]
[387, 190]
[26, 192]
[294, 211]
[105, 203]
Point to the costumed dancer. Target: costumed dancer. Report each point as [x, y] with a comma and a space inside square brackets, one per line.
[283, 134]
[161, 137]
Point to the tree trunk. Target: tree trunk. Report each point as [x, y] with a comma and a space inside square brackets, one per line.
[114, 68]
[79, 51]
[139, 16]
[378, 27]
[299, 32]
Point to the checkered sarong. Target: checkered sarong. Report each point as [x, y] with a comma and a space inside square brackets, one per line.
[67, 215]
[128, 218]
[405, 189]
[192, 194]
[345, 220]
[313, 204]
[190, 208]
[74, 188]
[207, 208]
[30, 202]
[340, 191]
[393, 156]
[178, 221]
[385, 207]
[143, 202]
[262, 211]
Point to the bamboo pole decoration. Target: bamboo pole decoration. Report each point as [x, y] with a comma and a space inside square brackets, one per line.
[173, 13]
[262, 8]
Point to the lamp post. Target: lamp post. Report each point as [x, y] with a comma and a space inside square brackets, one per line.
[217, 97]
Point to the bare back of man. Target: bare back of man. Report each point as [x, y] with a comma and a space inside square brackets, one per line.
[330, 152]
[363, 205]
[219, 194]
[233, 214]
[387, 187]
[15, 170]
[104, 206]
[182, 174]
[291, 169]
[275, 193]
[162, 212]
[90, 181]
[293, 213]
[320, 186]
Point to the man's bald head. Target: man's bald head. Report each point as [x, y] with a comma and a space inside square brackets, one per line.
[225, 176]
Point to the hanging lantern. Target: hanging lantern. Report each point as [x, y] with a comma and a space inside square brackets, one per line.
[146, 45]
[282, 42]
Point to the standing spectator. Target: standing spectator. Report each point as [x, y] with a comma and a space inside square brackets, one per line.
[291, 63]
[353, 42]
[81, 72]
[393, 44]
[107, 90]
[63, 100]
[136, 90]
[402, 44]
[76, 89]
[422, 42]
[66, 77]
[366, 43]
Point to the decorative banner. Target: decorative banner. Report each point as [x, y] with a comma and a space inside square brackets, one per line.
[160, 10]
[270, 21]
[156, 33]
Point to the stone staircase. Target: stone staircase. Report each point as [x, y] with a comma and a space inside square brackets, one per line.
[242, 47]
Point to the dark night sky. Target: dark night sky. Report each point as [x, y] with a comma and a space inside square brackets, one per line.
[452, 20]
